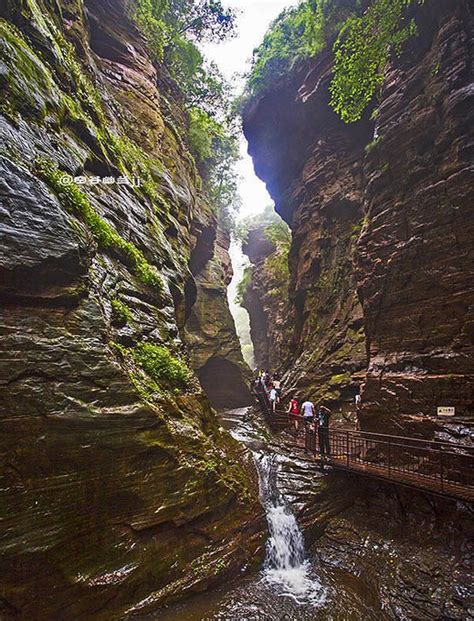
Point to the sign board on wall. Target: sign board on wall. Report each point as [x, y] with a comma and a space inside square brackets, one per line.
[445, 411]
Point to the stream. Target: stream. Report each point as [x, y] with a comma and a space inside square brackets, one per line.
[290, 585]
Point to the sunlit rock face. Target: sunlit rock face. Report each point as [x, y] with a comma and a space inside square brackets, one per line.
[117, 493]
[210, 330]
[381, 260]
[265, 303]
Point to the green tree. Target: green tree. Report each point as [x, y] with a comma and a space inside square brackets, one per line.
[278, 233]
[215, 148]
[362, 51]
[264, 219]
[166, 23]
[296, 33]
[172, 27]
[367, 32]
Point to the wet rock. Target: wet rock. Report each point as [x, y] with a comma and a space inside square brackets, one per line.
[210, 332]
[409, 552]
[411, 548]
[380, 263]
[42, 247]
[265, 299]
[119, 491]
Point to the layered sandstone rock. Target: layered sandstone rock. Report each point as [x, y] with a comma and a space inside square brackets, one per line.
[118, 492]
[381, 282]
[265, 297]
[210, 332]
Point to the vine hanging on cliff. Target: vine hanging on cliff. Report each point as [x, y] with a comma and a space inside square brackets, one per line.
[367, 32]
[362, 51]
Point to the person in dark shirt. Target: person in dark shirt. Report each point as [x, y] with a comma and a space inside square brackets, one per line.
[323, 431]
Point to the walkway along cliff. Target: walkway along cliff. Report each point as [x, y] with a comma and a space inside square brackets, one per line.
[119, 491]
[381, 285]
[380, 299]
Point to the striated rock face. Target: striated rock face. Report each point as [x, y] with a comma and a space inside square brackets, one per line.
[266, 299]
[412, 551]
[210, 332]
[119, 491]
[381, 286]
[405, 554]
[415, 257]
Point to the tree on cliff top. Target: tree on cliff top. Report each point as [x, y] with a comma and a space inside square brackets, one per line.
[297, 33]
[267, 219]
[172, 28]
[167, 22]
[366, 33]
[275, 264]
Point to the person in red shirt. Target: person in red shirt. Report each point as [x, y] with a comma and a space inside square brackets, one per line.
[294, 409]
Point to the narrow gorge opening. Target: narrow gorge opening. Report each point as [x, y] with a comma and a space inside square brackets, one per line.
[239, 313]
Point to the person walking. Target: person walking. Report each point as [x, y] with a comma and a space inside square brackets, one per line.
[277, 385]
[273, 397]
[294, 411]
[307, 409]
[293, 406]
[323, 431]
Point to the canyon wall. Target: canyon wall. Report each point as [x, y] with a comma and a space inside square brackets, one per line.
[119, 491]
[381, 279]
[265, 297]
[210, 331]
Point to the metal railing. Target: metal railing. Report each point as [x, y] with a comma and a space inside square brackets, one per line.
[277, 419]
[439, 467]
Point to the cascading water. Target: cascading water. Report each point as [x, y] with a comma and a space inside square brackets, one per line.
[285, 565]
[290, 586]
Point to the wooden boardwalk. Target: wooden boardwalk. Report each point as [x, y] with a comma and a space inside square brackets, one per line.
[441, 468]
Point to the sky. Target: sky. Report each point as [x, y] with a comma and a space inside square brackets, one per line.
[233, 58]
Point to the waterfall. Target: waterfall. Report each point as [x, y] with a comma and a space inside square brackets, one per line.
[285, 565]
[285, 547]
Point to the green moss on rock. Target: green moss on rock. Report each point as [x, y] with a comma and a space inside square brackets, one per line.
[75, 201]
[161, 365]
[26, 83]
[121, 314]
[339, 378]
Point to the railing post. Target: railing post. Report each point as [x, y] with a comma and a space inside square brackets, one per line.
[441, 473]
[347, 447]
[389, 459]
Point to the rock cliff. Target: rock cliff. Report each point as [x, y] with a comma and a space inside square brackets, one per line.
[381, 280]
[210, 332]
[265, 297]
[119, 490]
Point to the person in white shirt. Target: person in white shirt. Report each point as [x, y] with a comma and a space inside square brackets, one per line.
[273, 396]
[307, 409]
